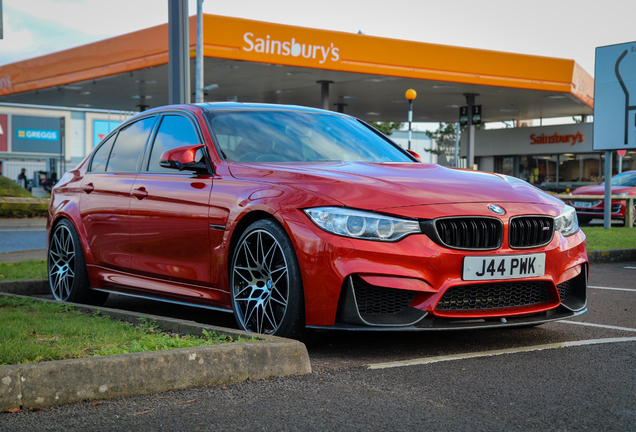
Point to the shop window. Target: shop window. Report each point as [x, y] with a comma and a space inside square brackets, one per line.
[505, 165]
[580, 169]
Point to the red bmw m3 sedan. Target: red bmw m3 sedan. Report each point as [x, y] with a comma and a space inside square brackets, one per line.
[295, 218]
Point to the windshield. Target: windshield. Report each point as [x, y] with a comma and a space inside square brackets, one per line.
[625, 179]
[290, 136]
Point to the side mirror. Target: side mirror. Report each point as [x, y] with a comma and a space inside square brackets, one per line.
[415, 155]
[183, 158]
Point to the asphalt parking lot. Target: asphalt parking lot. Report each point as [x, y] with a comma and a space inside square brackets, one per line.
[557, 376]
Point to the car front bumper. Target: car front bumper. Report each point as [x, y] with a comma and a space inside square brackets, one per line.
[420, 272]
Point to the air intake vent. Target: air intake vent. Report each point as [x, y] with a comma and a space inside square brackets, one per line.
[493, 296]
[378, 300]
[530, 231]
[470, 233]
[565, 289]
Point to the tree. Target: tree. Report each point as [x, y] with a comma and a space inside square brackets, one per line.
[386, 128]
[444, 136]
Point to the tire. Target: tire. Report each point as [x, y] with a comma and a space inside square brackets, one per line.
[265, 280]
[68, 278]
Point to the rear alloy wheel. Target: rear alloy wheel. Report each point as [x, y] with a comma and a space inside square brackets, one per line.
[68, 278]
[267, 293]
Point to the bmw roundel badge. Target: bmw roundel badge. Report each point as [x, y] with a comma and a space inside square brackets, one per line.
[496, 209]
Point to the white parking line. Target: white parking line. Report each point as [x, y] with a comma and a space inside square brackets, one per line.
[422, 361]
[614, 289]
[598, 325]
[630, 267]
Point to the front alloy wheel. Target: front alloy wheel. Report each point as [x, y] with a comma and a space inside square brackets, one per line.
[266, 283]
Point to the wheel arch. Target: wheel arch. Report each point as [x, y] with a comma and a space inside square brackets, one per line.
[72, 214]
[245, 221]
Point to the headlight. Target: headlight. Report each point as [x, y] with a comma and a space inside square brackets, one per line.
[362, 225]
[567, 222]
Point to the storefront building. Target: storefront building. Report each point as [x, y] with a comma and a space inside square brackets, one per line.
[554, 158]
[41, 138]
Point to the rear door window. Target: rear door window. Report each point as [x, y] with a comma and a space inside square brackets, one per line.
[129, 146]
[100, 159]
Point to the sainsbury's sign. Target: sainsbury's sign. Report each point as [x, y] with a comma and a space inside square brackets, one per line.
[291, 47]
[557, 138]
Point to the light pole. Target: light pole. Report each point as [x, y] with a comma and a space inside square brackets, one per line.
[199, 92]
[178, 53]
[410, 95]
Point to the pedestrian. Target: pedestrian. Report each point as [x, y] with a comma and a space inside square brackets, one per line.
[22, 178]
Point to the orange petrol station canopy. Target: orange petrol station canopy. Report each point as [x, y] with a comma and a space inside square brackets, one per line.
[253, 61]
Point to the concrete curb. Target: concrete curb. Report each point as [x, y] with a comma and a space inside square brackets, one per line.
[613, 255]
[64, 381]
[25, 287]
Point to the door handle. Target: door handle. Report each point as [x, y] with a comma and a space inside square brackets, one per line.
[140, 193]
[88, 188]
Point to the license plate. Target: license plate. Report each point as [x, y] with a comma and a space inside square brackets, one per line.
[583, 204]
[503, 267]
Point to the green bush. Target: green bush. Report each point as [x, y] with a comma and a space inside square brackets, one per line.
[21, 213]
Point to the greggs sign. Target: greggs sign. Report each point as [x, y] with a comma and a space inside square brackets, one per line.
[291, 47]
[556, 138]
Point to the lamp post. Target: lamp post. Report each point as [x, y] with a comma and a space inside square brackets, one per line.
[199, 92]
[410, 95]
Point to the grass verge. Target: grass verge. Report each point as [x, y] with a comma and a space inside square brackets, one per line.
[33, 269]
[599, 238]
[34, 331]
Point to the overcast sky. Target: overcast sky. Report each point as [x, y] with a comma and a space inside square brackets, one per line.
[555, 28]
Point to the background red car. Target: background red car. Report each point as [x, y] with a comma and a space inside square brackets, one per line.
[295, 218]
[622, 184]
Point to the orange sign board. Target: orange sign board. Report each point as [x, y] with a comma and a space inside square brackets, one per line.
[255, 41]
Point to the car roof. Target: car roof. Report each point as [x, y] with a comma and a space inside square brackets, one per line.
[241, 106]
[211, 107]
